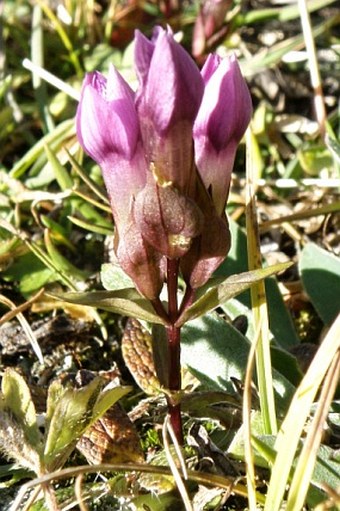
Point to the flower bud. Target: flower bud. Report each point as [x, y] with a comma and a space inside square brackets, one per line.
[208, 24]
[166, 154]
[108, 130]
[168, 99]
[222, 119]
[207, 252]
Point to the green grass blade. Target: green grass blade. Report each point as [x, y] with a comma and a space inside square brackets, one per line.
[54, 139]
[91, 227]
[64, 179]
[264, 59]
[281, 14]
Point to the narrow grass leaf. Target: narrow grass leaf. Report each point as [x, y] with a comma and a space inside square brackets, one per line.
[264, 59]
[64, 179]
[90, 183]
[37, 55]
[98, 229]
[26, 328]
[281, 14]
[60, 262]
[63, 131]
[63, 36]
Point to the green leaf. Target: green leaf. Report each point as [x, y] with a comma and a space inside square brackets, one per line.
[127, 302]
[17, 398]
[293, 425]
[320, 273]
[61, 263]
[215, 352]
[326, 471]
[68, 420]
[333, 146]
[282, 360]
[98, 229]
[314, 158]
[264, 59]
[30, 272]
[327, 468]
[230, 287]
[58, 232]
[216, 405]
[106, 399]
[263, 458]
[114, 278]
[70, 411]
[289, 12]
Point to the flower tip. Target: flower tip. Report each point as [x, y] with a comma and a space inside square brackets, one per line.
[210, 66]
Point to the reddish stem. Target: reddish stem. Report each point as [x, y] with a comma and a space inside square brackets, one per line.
[174, 348]
[188, 299]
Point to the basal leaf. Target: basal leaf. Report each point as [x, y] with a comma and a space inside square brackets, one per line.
[108, 397]
[17, 398]
[70, 412]
[216, 352]
[320, 272]
[68, 420]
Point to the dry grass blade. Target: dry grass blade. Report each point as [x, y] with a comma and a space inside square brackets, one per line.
[246, 414]
[78, 492]
[21, 308]
[304, 469]
[167, 428]
[291, 429]
[319, 103]
[16, 312]
[51, 79]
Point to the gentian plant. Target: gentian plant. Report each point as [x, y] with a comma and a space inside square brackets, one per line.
[166, 153]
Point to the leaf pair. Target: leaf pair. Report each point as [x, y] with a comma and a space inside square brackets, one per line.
[128, 302]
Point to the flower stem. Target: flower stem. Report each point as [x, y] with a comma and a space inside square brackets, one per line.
[174, 348]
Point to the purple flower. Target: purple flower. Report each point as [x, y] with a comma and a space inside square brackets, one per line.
[108, 130]
[222, 119]
[168, 99]
[166, 153]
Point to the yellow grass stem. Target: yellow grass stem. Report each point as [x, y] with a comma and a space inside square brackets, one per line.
[258, 298]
